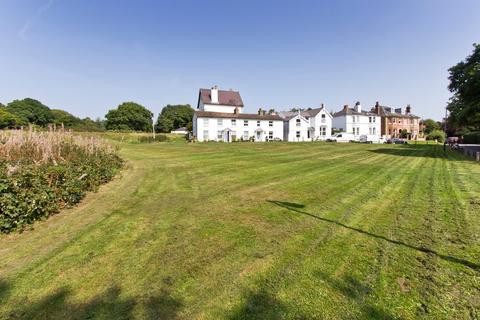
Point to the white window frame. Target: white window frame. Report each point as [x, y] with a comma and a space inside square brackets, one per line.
[205, 135]
[245, 135]
[297, 134]
[234, 122]
[270, 135]
[245, 123]
[219, 122]
[298, 122]
[270, 123]
[219, 134]
[205, 122]
[259, 123]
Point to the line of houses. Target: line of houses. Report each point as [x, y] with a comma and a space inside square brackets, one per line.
[220, 117]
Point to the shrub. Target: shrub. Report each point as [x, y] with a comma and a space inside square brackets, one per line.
[41, 173]
[149, 139]
[436, 135]
[472, 137]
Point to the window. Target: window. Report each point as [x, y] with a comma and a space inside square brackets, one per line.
[205, 134]
[270, 123]
[234, 135]
[219, 122]
[370, 119]
[323, 118]
[245, 135]
[369, 130]
[219, 135]
[353, 118]
[234, 122]
[245, 123]
[258, 123]
[324, 131]
[205, 122]
[358, 131]
[270, 135]
[298, 134]
[298, 121]
[373, 119]
[374, 130]
[308, 134]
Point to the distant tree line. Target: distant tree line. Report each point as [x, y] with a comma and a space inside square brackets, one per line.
[128, 116]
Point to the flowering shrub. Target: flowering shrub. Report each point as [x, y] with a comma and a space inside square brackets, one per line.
[43, 172]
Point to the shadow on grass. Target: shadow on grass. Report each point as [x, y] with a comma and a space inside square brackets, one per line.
[421, 151]
[108, 305]
[260, 305]
[296, 208]
[356, 292]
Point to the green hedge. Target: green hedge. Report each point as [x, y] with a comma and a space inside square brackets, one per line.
[471, 138]
[31, 192]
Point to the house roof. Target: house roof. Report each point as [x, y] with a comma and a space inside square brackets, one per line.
[228, 98]
[386, 112]
[246, 116]
[287, 115]
[351, 111]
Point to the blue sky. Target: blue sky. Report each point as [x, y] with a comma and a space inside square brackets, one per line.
[88, 56]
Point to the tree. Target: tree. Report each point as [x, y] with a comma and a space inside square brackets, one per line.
[8, 120]
[65, 118]
[430, 125]
[436, 135]
[31, 111]
[129, 116]
[464, 105]
[173, 117]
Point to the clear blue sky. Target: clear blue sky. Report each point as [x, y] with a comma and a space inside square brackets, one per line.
[87, 56]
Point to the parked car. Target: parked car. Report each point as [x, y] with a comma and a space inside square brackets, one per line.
[371, 138]
[397, 141]
[342, 137]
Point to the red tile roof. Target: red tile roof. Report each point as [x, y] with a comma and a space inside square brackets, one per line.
[228, 98]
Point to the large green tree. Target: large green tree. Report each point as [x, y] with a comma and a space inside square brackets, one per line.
[464, 79]
[173, 117]
[31, 111]
[8, 120]
[129, 116]
[430, 125]
[65, 118]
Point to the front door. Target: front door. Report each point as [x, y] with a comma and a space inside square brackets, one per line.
[227, 136]
[259, 136]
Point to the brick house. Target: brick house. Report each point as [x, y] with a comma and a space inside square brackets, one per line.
[393, 122]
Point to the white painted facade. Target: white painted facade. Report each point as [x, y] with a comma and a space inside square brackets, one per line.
[236, 128]
[219, 108]
[321, 124]
[357, 122]
[296, 129]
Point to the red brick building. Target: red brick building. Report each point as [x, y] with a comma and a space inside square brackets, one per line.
[393, 122]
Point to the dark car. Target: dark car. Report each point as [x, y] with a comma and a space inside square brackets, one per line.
[398, 141]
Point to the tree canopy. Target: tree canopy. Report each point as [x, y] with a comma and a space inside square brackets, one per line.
[430, 125]
[31, 111]
[62, 116]
[173, 117]
[8, 120]
[464, 79]
[129, 116]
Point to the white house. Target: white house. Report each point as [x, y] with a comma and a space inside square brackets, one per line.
[356, 121]
[219, 117]
[308, 125]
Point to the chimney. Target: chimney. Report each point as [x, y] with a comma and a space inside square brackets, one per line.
[377, 107]
[358, 107]
[260, 111]
[408, 109]
[235, 111]
[214, 95]
[345, 107]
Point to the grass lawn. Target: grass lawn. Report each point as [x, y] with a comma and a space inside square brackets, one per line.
[259, 231]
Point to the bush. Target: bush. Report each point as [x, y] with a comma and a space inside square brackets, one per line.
[472, 137]
[149, 139]
[41, 173]
[436, 135]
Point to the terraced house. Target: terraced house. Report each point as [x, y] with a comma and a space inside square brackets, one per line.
[396, 121]
[219, 117]
[307, 125]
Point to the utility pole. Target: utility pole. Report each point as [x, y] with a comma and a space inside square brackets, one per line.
[445, 129]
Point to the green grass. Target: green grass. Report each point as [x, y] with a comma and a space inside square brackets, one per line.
[259, 231]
